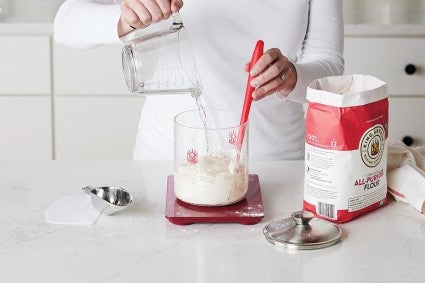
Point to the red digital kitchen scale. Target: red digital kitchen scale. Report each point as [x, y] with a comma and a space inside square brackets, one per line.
[247, 211]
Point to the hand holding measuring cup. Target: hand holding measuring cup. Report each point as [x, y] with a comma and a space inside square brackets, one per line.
[138, 14]
[162, 62]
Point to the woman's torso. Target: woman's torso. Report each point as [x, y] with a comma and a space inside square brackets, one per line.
[223, 34]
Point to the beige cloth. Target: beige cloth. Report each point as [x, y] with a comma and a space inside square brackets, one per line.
[406, 174]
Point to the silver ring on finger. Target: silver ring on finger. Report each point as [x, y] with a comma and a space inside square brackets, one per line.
[282, 77]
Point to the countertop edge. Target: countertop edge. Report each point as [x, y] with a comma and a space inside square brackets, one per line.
[26, 29]
[376, 30]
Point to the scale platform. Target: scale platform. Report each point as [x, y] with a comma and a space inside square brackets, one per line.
[247, 211]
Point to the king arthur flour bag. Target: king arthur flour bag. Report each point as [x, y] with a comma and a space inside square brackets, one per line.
[346, 148]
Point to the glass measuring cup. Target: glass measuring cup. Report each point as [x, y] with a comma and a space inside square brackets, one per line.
[203, 150]
[161, 62]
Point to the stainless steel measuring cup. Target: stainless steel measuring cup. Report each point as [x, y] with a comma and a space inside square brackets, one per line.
[109, 200]
[161, 62]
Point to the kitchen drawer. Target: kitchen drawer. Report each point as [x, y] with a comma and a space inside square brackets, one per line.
[407, 118]
[97, 71]
[386, 58]
[26, 128]
[25, 65]
[96, 128]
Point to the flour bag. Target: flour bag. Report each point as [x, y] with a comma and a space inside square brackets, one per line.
[346, 146]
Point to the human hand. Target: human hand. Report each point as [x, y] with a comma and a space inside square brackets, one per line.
[272, 73]
[138, 14]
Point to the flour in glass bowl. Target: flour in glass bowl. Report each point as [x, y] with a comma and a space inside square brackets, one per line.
[209, 181]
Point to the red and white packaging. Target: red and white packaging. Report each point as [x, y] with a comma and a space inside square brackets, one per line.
[346, 146]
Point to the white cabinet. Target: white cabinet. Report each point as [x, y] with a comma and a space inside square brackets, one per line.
[388, 58]
[93, 128]
[25, 127]
[407, 119]
[25, 65]
[95, 115]
[25, 101]
[57, 102]
[95, 72]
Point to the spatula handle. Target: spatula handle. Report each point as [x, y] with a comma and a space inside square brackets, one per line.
[258, 52]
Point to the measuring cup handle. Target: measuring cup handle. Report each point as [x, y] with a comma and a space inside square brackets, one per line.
[177, 20]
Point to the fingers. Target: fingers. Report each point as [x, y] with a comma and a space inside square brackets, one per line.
[176, 5]
[273, 72]
[276, 69]
[141, 13]
[283, 84]
[129, 15]
[165, 7]
[262, 64]
[246, 67]
[153, 9]
[275, 85]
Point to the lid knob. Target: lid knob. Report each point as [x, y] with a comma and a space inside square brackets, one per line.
[302, 217]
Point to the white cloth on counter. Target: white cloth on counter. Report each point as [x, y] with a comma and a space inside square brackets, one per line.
[73, 210]
[406, 175]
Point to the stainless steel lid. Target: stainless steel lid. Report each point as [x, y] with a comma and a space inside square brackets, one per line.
[302, 231]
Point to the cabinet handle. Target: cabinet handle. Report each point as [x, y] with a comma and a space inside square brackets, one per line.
[410, 69]
[407, 140]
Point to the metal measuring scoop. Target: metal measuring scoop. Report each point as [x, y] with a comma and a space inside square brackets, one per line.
[109, 200]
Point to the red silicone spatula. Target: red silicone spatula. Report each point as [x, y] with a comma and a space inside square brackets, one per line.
[258, 52]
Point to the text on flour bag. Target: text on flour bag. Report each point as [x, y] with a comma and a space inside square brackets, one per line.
[346, 146]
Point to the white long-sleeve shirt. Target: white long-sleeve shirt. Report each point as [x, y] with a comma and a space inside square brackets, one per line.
[223, 34]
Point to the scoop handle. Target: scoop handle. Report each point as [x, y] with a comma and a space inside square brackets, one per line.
[258, 52]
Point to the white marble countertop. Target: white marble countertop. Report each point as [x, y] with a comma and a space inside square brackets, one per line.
[141, 245]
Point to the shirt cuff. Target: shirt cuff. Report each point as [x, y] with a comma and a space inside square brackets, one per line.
[112, 14]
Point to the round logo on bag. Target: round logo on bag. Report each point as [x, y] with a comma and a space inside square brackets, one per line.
[372, 145]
